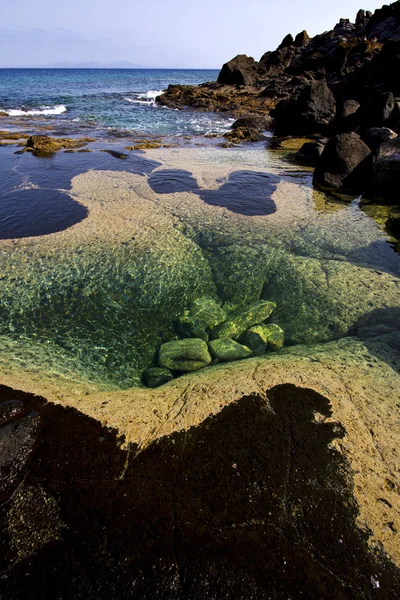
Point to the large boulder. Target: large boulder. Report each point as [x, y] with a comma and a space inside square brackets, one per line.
[347, 116]
[385, 182]
[311, 111]
[184, 355]
[344, 165]
[240, 70]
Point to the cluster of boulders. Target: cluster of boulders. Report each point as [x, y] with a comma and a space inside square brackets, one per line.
[206, 334]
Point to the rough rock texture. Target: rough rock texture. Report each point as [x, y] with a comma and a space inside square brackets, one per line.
[374, 137]
[386, 174]
[345, 164]
[358, 61]
[226, 349]
[184, 355]
[204, 314]
[310, 153]
[240, 70]
[311, 111]
[45, 145]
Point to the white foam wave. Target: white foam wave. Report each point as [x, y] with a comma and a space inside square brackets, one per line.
[151, 95]
[41, 110]
[149, 98]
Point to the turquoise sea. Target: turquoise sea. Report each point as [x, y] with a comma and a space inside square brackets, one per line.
[105, 99]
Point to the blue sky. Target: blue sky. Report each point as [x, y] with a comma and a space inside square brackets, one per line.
[158, 33]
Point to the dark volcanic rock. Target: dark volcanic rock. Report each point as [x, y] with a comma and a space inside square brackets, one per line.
[302, 38]
[344, 165]
[347, 117]
[239, 70]
[310, 153]
[309, 112]
[287, 41]
[385, 182]
[244, 134]
[262, 123]
[376, 136]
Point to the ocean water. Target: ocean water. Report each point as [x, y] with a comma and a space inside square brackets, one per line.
[105, 99]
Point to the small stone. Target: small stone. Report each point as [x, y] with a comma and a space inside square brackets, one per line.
[156, 376]
[243, 319]
[226, 349]
[256, 339]
[275, 336]
[190, 354]
[204, 314]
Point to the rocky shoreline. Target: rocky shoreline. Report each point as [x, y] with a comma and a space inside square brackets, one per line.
[340, 89]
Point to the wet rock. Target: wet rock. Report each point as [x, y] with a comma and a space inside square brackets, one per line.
[275, 336]
[17, 442]
[116, 154]
[226, 349]
[240, 70]
[262, 123]
[310, 153]
[262, 337]
[255, 338]
[386, 173]
[44, 145]
[374, 137]
[156, 376]
[240, 320]
[204, 314]
[184, 355]
[344, 164]
[311, 111]
[244, 134]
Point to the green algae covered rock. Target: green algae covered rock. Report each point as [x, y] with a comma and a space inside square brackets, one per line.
[184, 355]
[226, 349]
[204, 314]
[275, 336]
[243, 319]
[262, 337]
[156, 376]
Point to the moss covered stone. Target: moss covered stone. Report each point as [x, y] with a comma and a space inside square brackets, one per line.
[156, 376]
[204, 314]
[227, 349]
[184, 355]
[262, 337]
[275, 336]
[243, 319]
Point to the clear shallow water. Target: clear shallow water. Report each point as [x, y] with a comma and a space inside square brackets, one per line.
[105, 98]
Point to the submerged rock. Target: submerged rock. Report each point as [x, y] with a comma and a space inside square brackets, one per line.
[240, 320]
[156, 376]
[226, 349]
[275, 336]
[262, 337]
[344, 164]
[184, 355]
[204, 314]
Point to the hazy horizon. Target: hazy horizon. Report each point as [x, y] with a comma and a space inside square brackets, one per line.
[156, 35]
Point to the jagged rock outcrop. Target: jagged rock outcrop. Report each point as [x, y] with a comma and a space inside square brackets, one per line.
[240, 70]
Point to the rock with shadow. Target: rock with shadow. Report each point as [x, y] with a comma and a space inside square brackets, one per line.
[253, 503]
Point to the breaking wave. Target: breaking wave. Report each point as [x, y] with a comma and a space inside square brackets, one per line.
[41, 110]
